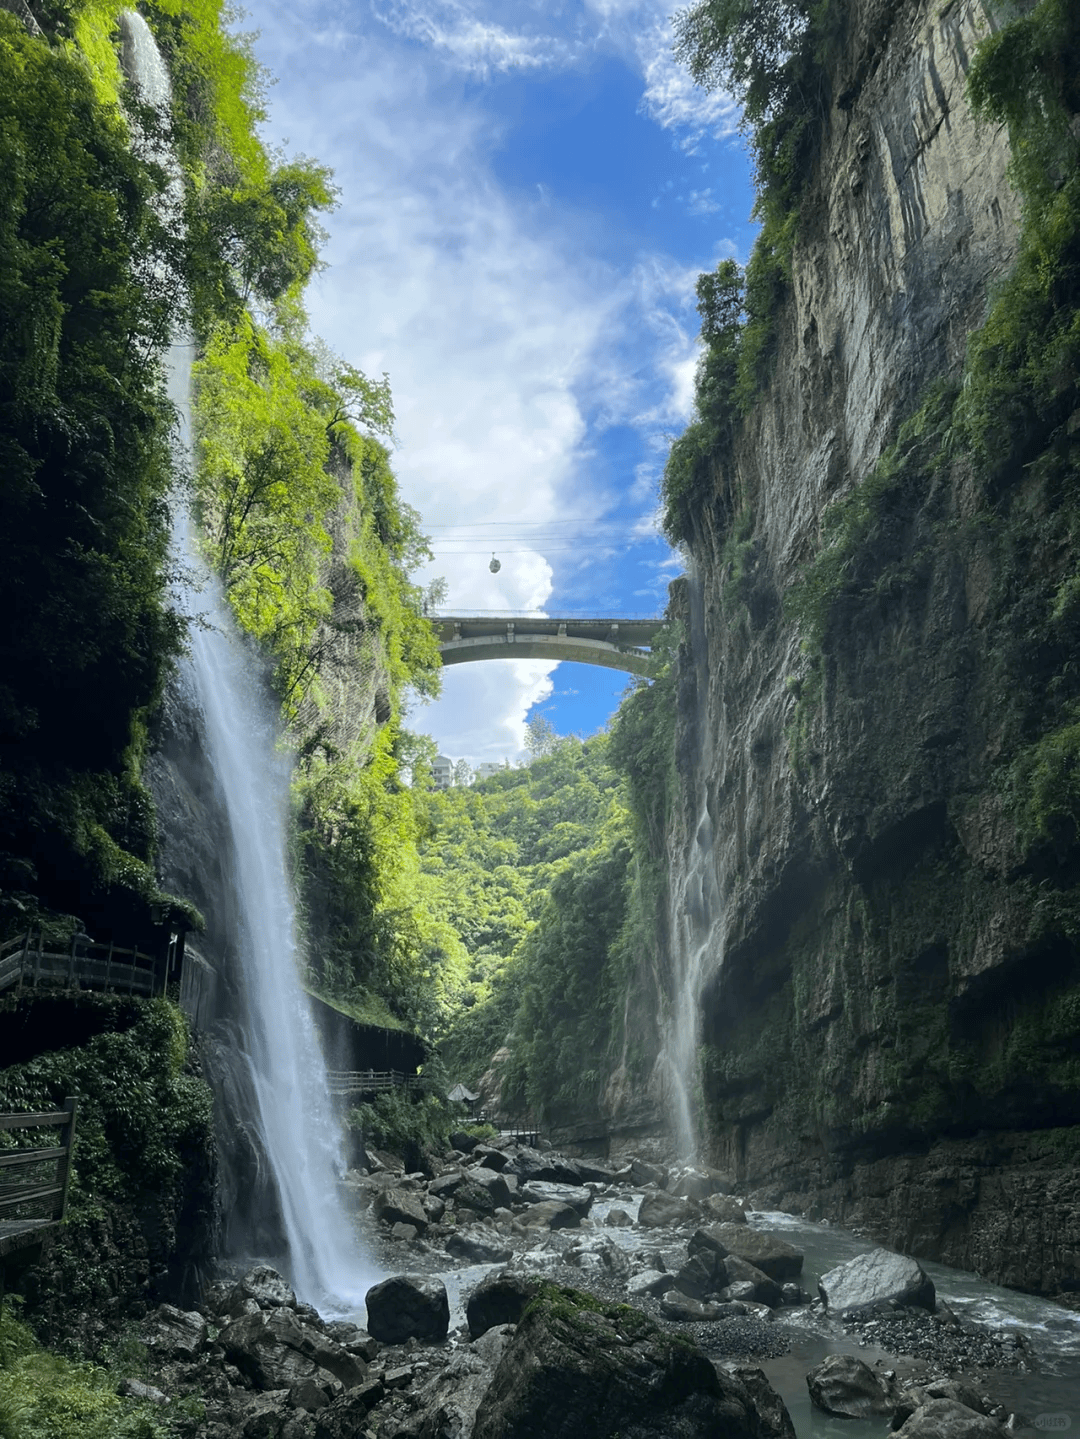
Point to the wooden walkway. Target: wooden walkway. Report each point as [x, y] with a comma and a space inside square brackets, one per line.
[83, 964]
[345, 1083]
[34, 1202]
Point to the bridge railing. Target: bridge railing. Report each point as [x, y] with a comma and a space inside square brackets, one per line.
[346, 1082]
[583, 615]
[34, 1182]
[82, 963]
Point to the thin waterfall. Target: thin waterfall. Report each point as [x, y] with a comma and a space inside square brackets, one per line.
[694, 915]
[269, 1055]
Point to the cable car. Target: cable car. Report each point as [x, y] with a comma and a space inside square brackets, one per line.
[494, 565]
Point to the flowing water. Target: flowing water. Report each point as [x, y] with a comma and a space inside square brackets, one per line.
[277, 1066]
[694, 915]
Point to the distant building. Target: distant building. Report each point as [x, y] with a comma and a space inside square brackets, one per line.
[488, 768]
[442, 771]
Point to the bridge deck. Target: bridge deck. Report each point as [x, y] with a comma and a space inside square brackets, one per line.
[613, 642]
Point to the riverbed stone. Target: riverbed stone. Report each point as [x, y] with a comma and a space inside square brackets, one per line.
[844, 1385]
[446, 1185]
[617, 1218]
[643, 1173]
[701, 1275]
[275, 1350]
[173, 1333]
[408, 1307]
[649, 1281]
[482, 1190]
[540, 1191]
[684, 1309]
[877, 1278]
[661, 1211]
[478, 1245]
[773, 1256]
[949, 1419]
[691, 1184]
[268, 1288]
[771, 1409]
[400, 1206]
[500, 1298]
[740, 1272]
[724, 1209]
[582, 1371]
[552, 1214]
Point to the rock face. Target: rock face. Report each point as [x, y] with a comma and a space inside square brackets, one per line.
[878, 1277]
[889, 951]
[584, 1373]
[275, 1350]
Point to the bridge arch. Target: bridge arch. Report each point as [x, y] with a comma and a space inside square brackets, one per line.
[616, 643]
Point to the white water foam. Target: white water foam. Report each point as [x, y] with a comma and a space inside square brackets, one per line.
[295, 1123]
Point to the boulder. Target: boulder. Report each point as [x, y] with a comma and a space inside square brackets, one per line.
[172, 1333]
[490, 1157]
[771, 1409]
[691, 1184]
[723, 1209]
[660, 1211]
[446, 1185]
[406, 1233]
[406, 1307]
[684, 1310]
[478, 1245]
[766, 1290]
[649, 1281]
[400, 1206]
[275, 1350]
[529, 1163]
[878, 1277]
[465, 1143]
[581, 1370]
[617, 1218]
[775, 1257]
[482, 1190]
[266, 1286]
[844, 1385]
[552, 1214]
[264, 1416]
[344, 1418]
[593, 1173]
[602, 1255]
[702, 1274]
[642, 1173]
[434, 1208]
[540, 1191]
[915, 1396]
[948, 1419]
[136, 1389]
[499, 1298]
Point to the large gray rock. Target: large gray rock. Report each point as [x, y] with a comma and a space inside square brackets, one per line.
[578, 1370]
[649, 1281]
[401, 1206]
[477, 1244]
[266, 1287]
[773, 1256]
[446, 1185]
[948, 1419]
[766, 1290]
[499, 1298]
[685, 1310]
[643, 1173]
[660, 1211]
[528, 1163]
[879, 1277]
[844, 1385]
[552, 1214]
[344, 1418]
[724, 1209]
[694, 1184]
[540, 1191]
[482, 1190]
[407, 1307]
[771, 1409]
[702, 1274]
[173, 1333]
[275, 1350]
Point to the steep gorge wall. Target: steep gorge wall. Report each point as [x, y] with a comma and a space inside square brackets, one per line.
[890, 1028]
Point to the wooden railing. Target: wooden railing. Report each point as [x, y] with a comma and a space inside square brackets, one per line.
[344, 1082]
[35, 1201]
[83, 963]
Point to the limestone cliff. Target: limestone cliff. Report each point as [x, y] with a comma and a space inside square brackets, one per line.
[890, 1026]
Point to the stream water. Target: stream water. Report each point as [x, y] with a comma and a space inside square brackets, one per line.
[273, 1049]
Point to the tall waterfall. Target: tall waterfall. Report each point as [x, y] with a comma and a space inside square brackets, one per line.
[695, 912]
[275, 1067]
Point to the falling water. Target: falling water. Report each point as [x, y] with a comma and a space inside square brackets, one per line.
[695, 911]
[279, 1052]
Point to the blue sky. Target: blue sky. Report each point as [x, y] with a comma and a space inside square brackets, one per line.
[528, 192]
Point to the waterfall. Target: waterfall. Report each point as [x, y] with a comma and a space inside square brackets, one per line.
[269, 1056]
[694, 915]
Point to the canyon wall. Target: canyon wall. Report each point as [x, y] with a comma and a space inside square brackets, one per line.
[890, 1028]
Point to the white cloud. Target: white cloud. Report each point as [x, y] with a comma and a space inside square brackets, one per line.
[475, 45]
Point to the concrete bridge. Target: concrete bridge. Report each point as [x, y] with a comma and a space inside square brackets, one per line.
[616, 643]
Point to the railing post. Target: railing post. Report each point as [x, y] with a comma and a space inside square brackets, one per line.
[67, 1146]
[71, 961]
[37, 961]
[108, 965]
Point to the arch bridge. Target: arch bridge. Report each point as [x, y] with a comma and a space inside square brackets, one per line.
[617, 642]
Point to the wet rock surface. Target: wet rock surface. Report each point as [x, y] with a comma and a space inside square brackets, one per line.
[622, 1306]
[873, 1279]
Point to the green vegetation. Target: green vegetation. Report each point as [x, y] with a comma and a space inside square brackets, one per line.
[49, 1397]
[84, 308]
